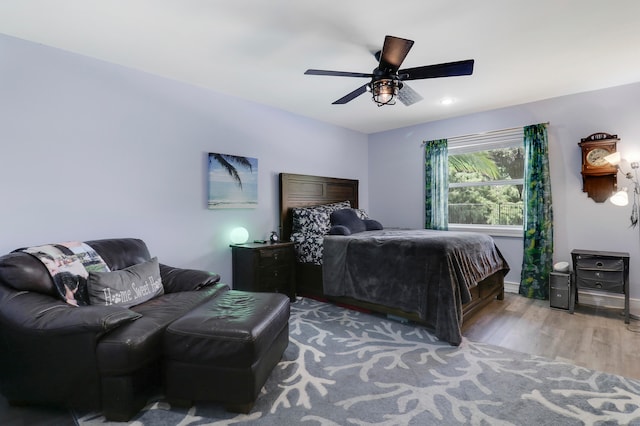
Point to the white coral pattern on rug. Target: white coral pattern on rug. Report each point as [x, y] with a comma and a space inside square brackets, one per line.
[346, 367]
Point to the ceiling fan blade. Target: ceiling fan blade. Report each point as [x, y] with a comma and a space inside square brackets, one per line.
[449, 69]
[359, 91]
[338, 73]
[408, 96]
[394, 51]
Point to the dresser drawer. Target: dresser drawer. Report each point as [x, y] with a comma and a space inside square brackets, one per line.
[270, 257]
[600, 275]
[595, 262]
[612, 286]
[274, 274]
[601, 279]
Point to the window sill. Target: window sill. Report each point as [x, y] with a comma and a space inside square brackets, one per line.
[494, 231]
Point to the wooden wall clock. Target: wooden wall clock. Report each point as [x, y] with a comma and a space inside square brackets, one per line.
[599, 177]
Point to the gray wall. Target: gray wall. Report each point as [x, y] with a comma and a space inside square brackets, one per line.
[396, 161]
[93, 150]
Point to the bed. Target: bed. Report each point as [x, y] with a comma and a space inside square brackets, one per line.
[440, 299]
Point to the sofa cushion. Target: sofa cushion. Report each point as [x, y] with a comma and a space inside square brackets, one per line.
[127, 287]
[182, 279]
[126, 349]
[120, 253]
[23, 272]
[33, 313]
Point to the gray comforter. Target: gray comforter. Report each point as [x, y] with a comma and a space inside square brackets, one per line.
[421, 271]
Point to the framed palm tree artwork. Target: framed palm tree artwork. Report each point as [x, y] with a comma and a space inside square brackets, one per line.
[233, 181]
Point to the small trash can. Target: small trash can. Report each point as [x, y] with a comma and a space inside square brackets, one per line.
[559, 290]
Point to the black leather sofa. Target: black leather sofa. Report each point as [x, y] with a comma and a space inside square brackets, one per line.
[107, 358]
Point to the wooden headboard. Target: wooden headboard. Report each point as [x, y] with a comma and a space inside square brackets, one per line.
[305, 190]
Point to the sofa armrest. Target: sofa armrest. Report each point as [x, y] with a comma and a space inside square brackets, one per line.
[39, 313]
[45, 341]
[180, 279]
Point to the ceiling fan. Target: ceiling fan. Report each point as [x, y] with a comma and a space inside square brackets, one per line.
[387, 79]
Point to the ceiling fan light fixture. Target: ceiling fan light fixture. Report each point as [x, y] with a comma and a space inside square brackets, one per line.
[385, 91]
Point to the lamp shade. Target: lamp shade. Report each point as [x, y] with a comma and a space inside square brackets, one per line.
[620, 198]
[239, 235]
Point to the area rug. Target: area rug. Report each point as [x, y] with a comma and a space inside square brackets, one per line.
[344, 367]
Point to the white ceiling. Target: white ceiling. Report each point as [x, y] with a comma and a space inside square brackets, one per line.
[524, 50]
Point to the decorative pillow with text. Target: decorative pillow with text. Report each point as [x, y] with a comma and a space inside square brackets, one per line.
[126, 287]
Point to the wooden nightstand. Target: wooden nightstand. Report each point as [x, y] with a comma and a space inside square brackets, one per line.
[264, 268]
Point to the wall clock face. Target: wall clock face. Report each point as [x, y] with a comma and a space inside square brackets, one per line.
[595, 157]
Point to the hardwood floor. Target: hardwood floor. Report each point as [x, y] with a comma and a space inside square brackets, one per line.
[592, 337]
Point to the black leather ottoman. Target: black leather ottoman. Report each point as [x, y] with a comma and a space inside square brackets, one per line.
[225, 349]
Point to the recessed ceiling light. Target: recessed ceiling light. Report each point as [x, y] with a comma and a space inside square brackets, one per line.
[447, 101]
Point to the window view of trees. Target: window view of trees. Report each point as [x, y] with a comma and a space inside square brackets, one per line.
[485, 187]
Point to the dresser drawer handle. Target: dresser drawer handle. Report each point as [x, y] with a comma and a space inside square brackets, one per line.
[598, 285]
[599, 264]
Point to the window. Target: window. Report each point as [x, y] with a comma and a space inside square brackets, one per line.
[486, 178]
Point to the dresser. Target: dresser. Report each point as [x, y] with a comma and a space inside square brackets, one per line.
[602, 271]
[264, 268]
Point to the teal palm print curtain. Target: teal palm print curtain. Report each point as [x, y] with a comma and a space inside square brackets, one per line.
[538, 215]
[436, 174]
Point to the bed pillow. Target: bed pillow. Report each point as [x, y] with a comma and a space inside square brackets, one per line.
[315, 219]
[308, 247]
[362, 214]
[347, 222]
[126, 287]
[372, 225]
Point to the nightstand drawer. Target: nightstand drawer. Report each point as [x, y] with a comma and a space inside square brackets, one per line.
[611, 286]
[599, 262]
[279, 274]
[594, 275]
[276, 286]
[270, 257]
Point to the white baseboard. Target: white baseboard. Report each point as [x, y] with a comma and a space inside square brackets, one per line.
[591, 298]
[510, 287]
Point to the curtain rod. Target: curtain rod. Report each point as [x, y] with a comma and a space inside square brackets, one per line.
[480, 133]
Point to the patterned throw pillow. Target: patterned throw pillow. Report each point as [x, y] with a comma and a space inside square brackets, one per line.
[362, 214]
[308, 247]
[315, 219]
